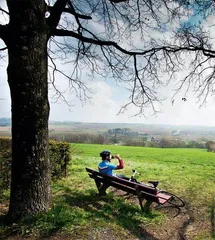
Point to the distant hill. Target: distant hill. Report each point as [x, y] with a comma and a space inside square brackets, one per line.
[143, 129]
[157, 129]
[5, 122]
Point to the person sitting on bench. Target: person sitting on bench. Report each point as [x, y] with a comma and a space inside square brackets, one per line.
[105, 166]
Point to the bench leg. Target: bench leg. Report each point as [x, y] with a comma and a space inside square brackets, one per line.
[98, 184]
[140, 198]
[101, 187]
[146, 207]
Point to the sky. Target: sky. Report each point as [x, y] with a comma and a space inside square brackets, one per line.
[107, 100]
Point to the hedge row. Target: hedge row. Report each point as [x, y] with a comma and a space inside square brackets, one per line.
[59, 155]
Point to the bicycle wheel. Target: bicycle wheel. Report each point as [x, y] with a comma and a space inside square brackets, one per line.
[174, 200]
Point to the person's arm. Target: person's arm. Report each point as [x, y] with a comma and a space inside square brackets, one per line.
[121, 163]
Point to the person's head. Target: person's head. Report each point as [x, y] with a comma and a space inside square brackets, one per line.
[105, 155]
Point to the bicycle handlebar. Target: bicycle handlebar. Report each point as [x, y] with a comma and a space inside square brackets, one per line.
[134, 172]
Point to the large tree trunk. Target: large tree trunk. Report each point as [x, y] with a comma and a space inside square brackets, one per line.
[27, 77]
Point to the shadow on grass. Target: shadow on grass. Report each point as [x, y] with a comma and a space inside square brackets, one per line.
[41, 226]
[169, 209]
[111, 209]
[5, 227]
[73, 209]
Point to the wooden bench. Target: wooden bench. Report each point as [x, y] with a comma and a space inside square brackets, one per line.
[143, 192]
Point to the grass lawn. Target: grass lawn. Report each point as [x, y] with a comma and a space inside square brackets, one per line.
[78, 213]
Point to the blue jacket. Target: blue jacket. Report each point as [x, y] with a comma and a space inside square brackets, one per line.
[106, 168]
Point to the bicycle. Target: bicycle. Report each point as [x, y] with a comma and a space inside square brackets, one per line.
[174, 201]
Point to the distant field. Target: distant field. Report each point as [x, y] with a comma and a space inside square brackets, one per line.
[190, 132]
[5, 131]
[156, 130]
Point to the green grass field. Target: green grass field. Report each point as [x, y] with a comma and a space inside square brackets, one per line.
[78, 213]
[182, 171]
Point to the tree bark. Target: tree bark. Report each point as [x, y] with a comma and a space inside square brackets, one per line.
[27, 77]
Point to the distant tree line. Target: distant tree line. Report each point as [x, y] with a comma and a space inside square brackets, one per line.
[125, 131]
[171, 142]
[126, 140]
[78, 137]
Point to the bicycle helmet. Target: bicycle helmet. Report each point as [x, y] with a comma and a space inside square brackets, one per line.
[105, 154]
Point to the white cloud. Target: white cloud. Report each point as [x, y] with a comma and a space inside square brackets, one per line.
[105, 106]
[105, 109]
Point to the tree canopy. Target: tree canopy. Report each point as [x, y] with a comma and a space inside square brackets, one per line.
[140, 43]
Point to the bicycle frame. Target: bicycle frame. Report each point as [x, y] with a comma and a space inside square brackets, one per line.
[132, 179]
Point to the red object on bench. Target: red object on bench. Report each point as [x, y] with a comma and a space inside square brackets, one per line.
[162, 198]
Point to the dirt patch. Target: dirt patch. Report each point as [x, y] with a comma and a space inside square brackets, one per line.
[179, 223]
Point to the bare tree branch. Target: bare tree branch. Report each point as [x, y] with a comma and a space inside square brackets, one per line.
[117, 1]
[2, 49]
[174, 49]
[76, 85]
[140, 68]
[71, 11]
[60, 32]
[56, 12]
[1, 9]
